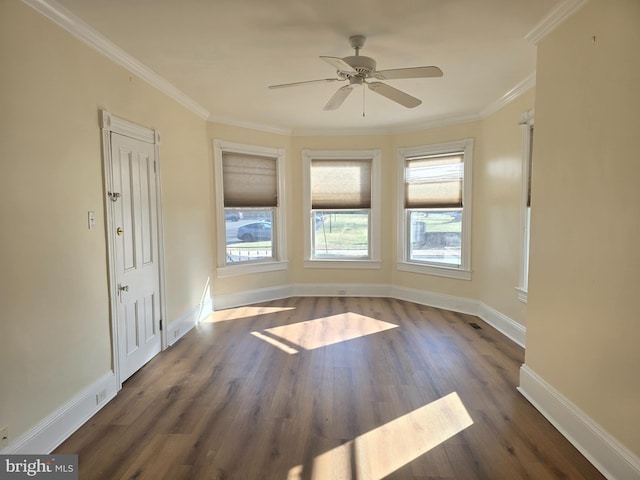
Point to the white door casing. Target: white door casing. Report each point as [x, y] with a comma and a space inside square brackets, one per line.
[134, 237]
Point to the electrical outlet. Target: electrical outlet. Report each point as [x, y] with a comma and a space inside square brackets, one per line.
[4, 437]
[101, 396]
[342, 292]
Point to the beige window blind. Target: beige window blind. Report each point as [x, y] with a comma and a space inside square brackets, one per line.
[249, 180]
[434, 181]
[340, 184]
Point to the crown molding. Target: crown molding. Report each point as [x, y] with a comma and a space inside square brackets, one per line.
[86, 34]
[339, 132]
[437, 123]
[234, 122]
[555, 17]
[392, 130]
[525, 85]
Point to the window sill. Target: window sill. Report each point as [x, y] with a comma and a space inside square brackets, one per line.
[350, 264]
[456, 273]
[249, 268]
[522, 294]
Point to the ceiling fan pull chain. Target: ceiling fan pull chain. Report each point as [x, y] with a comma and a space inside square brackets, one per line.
[363, 89]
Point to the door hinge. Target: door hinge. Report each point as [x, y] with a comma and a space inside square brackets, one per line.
[160, 324]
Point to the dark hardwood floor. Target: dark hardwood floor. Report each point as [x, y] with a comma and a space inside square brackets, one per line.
[328, 388]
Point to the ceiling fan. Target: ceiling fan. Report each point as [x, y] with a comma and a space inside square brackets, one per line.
[358, 69]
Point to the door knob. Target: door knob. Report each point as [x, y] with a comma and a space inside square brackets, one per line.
[123, 288]
[119, 231]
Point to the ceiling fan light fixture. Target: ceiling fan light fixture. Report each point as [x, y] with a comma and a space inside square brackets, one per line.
[355, 82]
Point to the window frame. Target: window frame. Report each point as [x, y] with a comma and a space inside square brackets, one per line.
[373, 261]
[527, 124]
[404, 262]
[278, 234]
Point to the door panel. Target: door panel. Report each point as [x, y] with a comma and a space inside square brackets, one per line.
[131, 328]
[123, 160]
[136, 250]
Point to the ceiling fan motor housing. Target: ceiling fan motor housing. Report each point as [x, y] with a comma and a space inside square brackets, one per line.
[365, 66]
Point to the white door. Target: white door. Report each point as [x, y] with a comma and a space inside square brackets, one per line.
[137, 266]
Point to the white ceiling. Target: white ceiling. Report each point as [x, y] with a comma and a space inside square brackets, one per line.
[224, 53]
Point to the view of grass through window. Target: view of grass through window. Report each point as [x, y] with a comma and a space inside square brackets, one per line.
[341, 234]
[435, 236]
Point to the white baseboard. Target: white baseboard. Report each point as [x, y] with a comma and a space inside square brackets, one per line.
[44, 437]
[437, 300]
[180, 326]
[237, 299]
[505, 325]
[341, 290]
[448, 302]
[613, 460]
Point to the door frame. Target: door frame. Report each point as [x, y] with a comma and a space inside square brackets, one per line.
[111, 124]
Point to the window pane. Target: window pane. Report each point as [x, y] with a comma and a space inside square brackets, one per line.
[340, 234]
[527, 241]
[435, 236]
[529, 161]
[248, 235]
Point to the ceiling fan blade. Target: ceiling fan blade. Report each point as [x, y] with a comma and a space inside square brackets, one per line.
[414, 72]
[295, 84]
[339, 64]
[394, 94]
[338, 97]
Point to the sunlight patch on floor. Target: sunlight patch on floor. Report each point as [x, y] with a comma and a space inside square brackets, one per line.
[391, 446]
[276, 343]
[324, 331]
[242, 312]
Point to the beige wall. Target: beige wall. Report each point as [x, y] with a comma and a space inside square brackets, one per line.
[54, 330]
[497, 188]
[583, 323]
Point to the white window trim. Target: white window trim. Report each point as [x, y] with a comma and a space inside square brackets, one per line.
[280, 244]
[403, 262]
[526, 121]
[374, 262]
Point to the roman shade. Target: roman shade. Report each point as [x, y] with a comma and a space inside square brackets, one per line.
[340, 184]
[434, 181]
[249, 180]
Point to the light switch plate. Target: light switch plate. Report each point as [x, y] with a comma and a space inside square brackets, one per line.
[91, 218]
